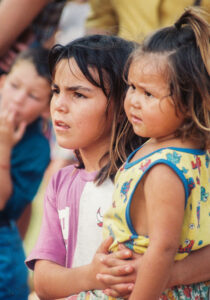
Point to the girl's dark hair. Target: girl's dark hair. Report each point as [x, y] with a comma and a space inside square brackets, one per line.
[107, 55]
[185, 45]
[39, 58]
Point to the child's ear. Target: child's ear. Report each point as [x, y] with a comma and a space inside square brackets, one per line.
[46, 113]
[2, 80]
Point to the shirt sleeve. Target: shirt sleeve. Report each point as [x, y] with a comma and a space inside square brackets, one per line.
[50, 244]
[29, 162]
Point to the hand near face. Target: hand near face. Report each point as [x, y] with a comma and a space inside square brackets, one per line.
[10, 132]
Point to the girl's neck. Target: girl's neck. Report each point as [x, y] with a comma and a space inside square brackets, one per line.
[153, 144]
[92, 158]
[172, 141]
[165, 140]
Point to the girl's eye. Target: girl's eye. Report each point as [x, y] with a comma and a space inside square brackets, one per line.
[148, 94]
[54, 91]
[79, 95]
[33, 97]
[132, 87]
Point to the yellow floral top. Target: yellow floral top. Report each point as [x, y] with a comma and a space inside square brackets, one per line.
[192, 167]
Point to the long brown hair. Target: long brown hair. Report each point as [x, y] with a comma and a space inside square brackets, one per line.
[107, 56]
[186, 48]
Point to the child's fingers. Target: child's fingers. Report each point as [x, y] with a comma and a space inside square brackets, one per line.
[19, 132]
[110, 280]
[122, 246]
[104, 247]
[117, 258]
[120, 290]
[11, 116]
[7, 128]
[7, 119]
[120, 270]
[122, 258]
[123, 253]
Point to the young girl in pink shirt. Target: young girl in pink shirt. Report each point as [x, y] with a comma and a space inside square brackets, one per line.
[88, 116]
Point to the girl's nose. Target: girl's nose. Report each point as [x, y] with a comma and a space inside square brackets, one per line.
[134, 99]
[60, 103]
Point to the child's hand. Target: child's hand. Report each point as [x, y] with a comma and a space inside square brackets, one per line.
[121, 273]
[10, 134]
[97, 265]
[118, 270]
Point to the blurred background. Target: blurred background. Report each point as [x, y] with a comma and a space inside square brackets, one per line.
[71, 26]
[131, 19]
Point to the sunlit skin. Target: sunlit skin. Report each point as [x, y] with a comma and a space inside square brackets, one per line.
[24, 96]
[160, 194]
[148, 103]
[24, 93]
[79, 114]
[151, 111]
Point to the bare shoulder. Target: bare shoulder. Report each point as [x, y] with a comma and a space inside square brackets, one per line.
[162, 180]
[161, 172]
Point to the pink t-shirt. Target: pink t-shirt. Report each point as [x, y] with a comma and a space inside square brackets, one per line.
[71, 229]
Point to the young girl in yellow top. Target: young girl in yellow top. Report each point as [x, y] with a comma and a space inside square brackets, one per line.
[161, 204]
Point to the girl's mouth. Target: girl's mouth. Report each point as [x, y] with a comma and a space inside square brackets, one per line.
[135, 119]
[61, 125]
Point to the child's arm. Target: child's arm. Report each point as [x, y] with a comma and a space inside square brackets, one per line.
[165, 198]
[15, 17]
[54, 281]
[194, 268]
[9, 135]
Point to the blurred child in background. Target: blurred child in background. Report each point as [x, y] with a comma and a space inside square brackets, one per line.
[24, 155]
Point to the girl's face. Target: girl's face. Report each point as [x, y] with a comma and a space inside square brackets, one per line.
[148, 103]
[78, 110]
[25, 92]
